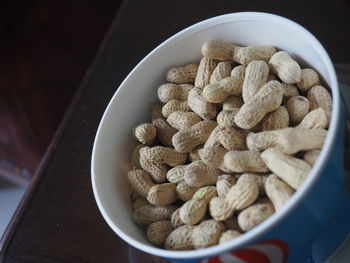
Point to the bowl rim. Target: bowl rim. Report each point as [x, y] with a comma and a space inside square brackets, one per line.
[297, 197]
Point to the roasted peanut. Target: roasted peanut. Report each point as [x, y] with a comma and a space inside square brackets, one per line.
[256, 178]
[213, 139]
[242, 195]
[227, 117]
[288, 140]
[229, 137]
[205, 193]
[192, 211]
[232, 139]
[214, 156]
[175, 218]
[164, 131]
[315, 119]
[292, 170]
[289, 90]
[157, 232]
[176, 174]
[199, 105]
[228, 235]
[311, 156]
[139, 202]
[180, 238]
[278, 191]
[225, 51]
[308, 79]
[262, 140]
[255, 214]
[186, 140]
[194, 154]
[222, 70]
[224, 183]
[293, 140]
[145, 133]
[184, 191]
[166, 155]
[182, 120]
[218, 92]
[244, 55]
[218, 50]
[232, 102]
[286, 68]
[199, 174]
[205, 70]
[162, 194]
[149, 214]
[238, 197]
[275, 120]
[238, 71]
[255, 77]
[219, 209]
[297, 107]
[140, 181]
[244, 161]
[170, 91]
[267, 99]
[185, 74]
[320, 97]
[174, 105]
[156, 170]
[207, 233]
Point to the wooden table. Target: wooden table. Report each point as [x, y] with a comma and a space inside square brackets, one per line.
[58, 220]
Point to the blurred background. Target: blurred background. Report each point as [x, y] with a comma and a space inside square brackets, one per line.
[45, 49]
[47, 46]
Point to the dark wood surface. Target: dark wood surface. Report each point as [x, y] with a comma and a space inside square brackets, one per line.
[45, 49]
[58, 221]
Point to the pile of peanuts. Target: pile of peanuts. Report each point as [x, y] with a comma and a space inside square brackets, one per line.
[231, 139]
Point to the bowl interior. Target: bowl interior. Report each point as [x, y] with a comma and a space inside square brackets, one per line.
[130, 105]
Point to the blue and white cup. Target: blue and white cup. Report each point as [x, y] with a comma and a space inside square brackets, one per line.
[311, 225]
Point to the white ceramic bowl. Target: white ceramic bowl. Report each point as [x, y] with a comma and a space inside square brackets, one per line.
[130, 105]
